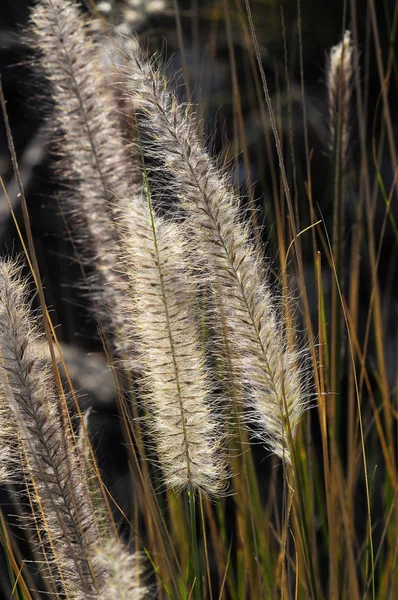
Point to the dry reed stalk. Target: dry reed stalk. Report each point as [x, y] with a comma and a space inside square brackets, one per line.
[269, 369]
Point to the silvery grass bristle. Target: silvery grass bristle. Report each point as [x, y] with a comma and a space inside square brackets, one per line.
[94, 161]
[339, 83]
[269, 369]
[36, 443]
[177, 389]
[29, 399]
[125, 582]
[124, 570]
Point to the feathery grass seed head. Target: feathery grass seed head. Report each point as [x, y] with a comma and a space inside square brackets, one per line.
[339, 83]
[93, 156]
[184, 428]
[124, 580]
[30, 399]
[269, 369]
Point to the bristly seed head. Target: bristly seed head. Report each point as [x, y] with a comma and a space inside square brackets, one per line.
[269, 369]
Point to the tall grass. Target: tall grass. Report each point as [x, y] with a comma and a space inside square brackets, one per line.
[255, 390]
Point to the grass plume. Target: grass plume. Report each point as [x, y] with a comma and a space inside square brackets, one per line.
[340, 87]
[124, 573]
[94, 162]
[176, 386]
[269, 369]
[85, 559]
[35, 417]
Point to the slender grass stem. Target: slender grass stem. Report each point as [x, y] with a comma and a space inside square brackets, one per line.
[195, 578]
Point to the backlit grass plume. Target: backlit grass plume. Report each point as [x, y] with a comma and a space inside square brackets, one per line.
[93, 158]
[269, 369]
[37, 445]
[176, 387]
[340, 86]
[29, 403]
[124, 574]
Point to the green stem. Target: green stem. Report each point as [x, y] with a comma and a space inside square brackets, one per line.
[194, 571]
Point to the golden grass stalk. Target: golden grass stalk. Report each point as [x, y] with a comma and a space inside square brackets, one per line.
[269, 370]
[93, 158]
